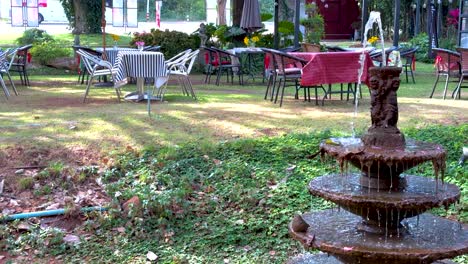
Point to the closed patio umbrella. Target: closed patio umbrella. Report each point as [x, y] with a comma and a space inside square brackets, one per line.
[250, 20]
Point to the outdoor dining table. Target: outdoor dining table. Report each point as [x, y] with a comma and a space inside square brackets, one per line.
[249, 64]
[140, 65]
[332, 68]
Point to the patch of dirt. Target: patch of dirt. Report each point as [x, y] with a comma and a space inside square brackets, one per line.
[27, 190]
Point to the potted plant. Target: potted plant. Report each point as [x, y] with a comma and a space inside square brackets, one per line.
[313, 24]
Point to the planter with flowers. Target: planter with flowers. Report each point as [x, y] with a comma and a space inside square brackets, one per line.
[250, 42]
[140, 45]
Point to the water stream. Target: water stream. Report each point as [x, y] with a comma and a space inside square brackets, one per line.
[374, 17]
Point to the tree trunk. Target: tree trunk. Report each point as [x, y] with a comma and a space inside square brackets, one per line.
[221, 11]
[237, 6]
[80, 18]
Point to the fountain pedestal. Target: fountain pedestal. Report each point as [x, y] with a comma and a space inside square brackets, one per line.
[383, 221]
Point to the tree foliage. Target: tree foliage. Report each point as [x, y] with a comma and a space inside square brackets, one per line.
[184, 9]
[93, 13]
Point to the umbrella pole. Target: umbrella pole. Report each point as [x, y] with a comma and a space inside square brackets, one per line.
[103, 25]
[276, 39]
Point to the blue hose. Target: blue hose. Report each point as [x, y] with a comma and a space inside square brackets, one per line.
[48, 213]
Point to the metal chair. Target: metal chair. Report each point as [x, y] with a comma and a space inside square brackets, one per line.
[447, 64]
[463, 72]
[152, 48]
[6, 61]
[20, 64]
[181, 70]
[335, 49]
[221, 60]
[376, 55]
[409, 56]
[83, 72]
[98, 67]
[288, 69]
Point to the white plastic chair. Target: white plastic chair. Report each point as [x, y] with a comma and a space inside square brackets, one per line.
[172, 62]
[181, 71]
[6, 60]
[98, 67]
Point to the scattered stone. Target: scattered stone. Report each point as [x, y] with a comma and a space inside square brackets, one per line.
[291, 168]
[240, 222]
[2, 257]
[37, 186]
[72, 127]
[6, 211]
[14, 203]
[53, 206]
[20, 171]
[120, 229]
[23, 227]
[71, 239]
[151, 256]
[2, 183]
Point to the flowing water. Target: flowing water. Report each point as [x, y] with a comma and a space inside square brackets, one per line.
[374, 17]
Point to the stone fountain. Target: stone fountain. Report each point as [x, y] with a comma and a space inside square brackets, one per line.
[383, 220]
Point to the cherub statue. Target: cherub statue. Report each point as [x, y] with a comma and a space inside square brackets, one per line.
[202, 34]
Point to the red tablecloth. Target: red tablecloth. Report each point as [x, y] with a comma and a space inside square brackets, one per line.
[332, 67]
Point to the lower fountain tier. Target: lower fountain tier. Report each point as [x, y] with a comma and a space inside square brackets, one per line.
[378, 207]
[422, 239]
[384, 163]
[321, 258]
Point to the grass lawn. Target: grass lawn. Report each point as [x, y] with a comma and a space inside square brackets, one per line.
[43, 112]
[214, 174]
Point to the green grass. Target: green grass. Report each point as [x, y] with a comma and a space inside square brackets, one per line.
[42, 112]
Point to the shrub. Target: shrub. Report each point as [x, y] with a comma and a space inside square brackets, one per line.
[45, 52]
[422, 41]
[34, 35]
[171, 42]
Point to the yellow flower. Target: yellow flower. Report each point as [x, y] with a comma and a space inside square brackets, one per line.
[373, 40]
[246, 41]
[255, 39]
[115, 37]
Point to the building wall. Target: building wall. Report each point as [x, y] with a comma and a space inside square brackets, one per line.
[338, 16]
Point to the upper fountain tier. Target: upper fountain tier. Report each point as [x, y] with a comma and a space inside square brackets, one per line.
[382, 154]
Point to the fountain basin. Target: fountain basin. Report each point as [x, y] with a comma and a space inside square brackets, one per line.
[385, 208]
[422, 239]
[383, 166]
